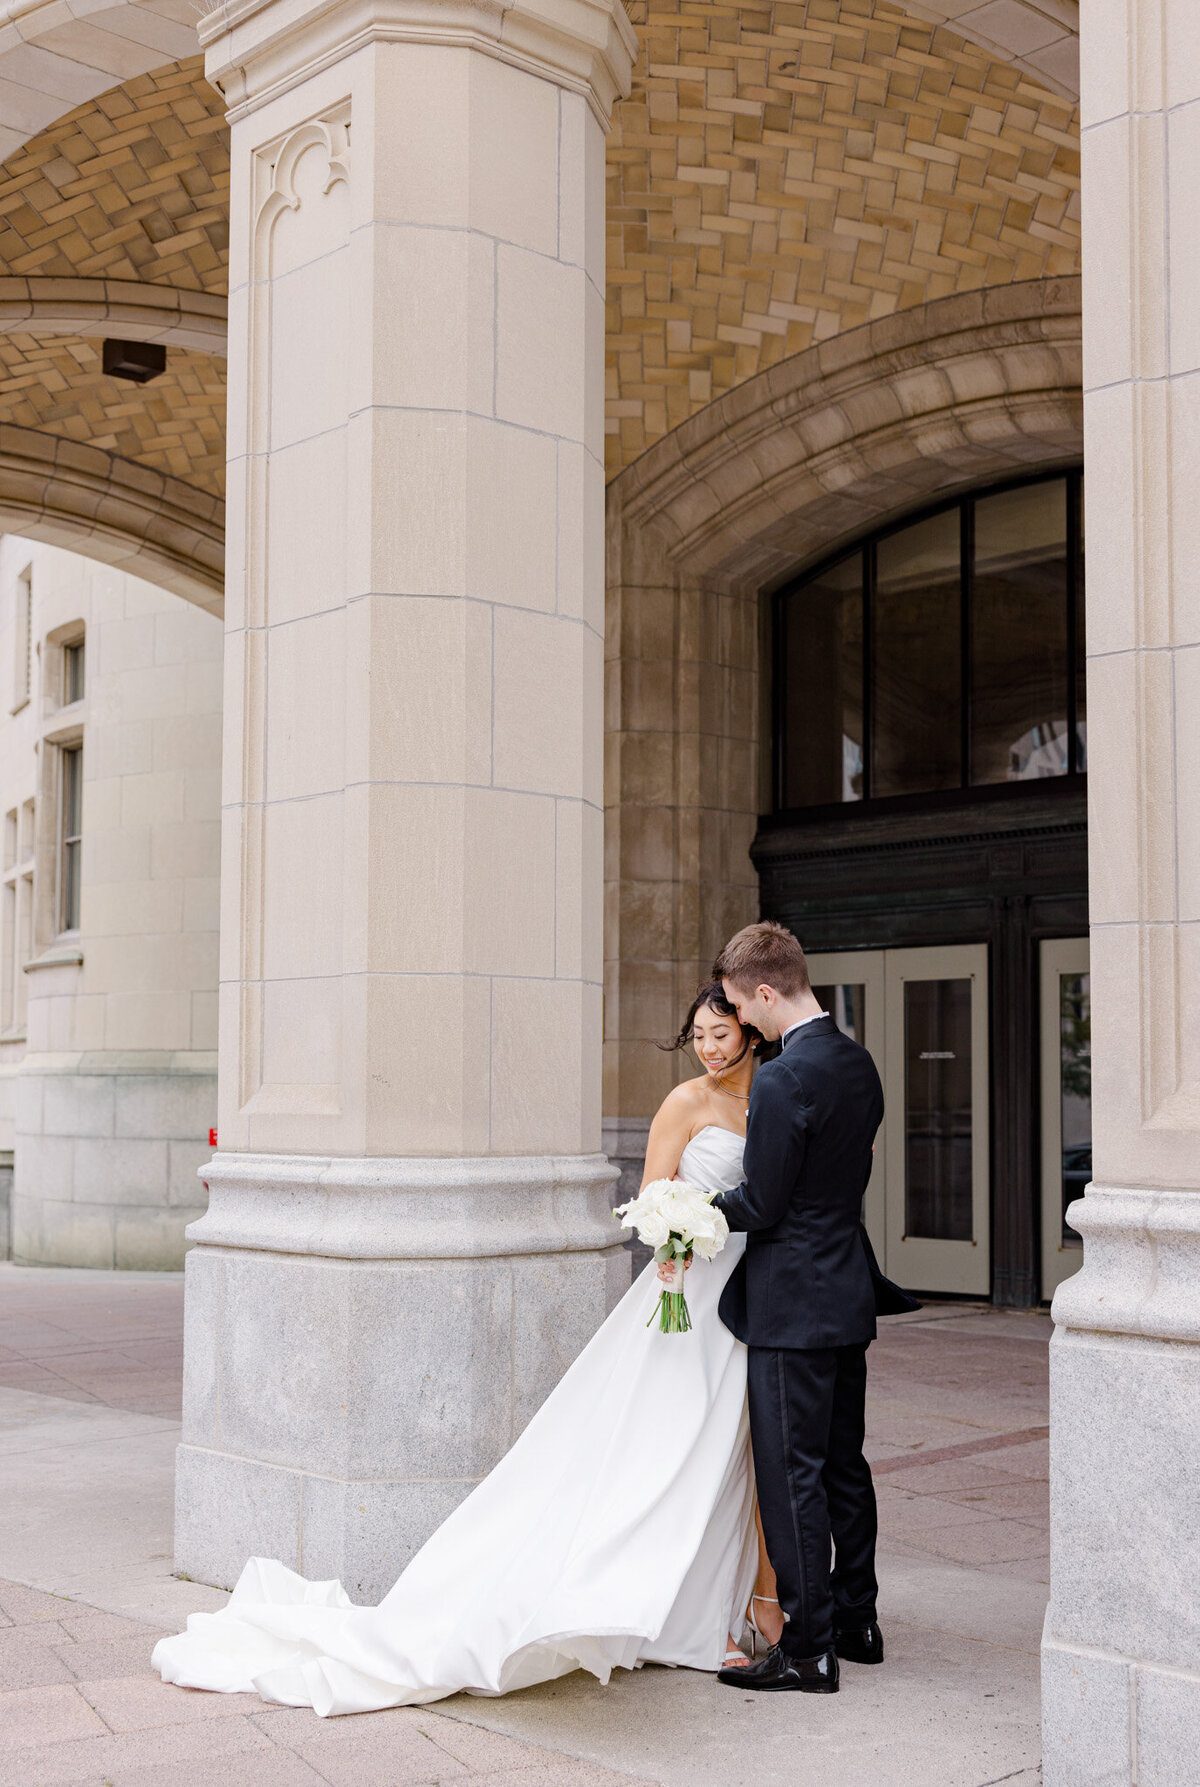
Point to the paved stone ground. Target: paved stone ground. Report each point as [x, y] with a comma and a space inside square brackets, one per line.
[89, 1397]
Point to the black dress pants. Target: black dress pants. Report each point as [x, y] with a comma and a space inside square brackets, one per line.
[814, 1488]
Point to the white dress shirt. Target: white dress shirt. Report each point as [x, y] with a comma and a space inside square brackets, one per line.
[792, 1028]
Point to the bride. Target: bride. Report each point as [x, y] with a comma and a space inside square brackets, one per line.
[620, 1529]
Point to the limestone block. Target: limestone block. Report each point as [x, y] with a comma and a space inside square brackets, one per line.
[204, 1274]
[119, 1170]
[228, 1509]
[294, 1330]
[433, 319]
[416, 544]
[180, 850]
[1086, 1710]
[201, 907]
[148, 1020]
[559, 1302]
[541, 323]
[306, 727]
[1167, 1727]
[149, 1238]
[188, 743]
[509, 895]
[51, 1231]
[433, 728]
[77, 1104]
[172, 1105]
[545, 1061]
[515, 509]
[1116, 1401]
[1182, 58]
[203, 1034]
[408, 1110]
[44, 1164]
[304, 865]
[303, 1041]
[581, 196]
[580, 535]
[310, 307]
[545, 671]
[122, 855]
[186, 1162]
[514, 196]
[579, 858]
[306, 544]
[362, 1533]
[129, 909]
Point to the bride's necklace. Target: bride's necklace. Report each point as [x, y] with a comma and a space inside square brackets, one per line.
[728, 1093]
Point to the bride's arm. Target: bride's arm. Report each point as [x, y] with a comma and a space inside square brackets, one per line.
[669, 1135]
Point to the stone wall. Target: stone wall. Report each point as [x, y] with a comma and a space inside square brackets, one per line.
[110, 1045]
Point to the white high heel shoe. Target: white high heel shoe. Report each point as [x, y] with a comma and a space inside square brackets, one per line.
[755, 1631]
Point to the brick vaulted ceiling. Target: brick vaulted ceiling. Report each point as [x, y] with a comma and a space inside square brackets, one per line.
[131, 187]
[782, 173]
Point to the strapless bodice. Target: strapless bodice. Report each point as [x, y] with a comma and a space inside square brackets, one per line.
[712, 1160]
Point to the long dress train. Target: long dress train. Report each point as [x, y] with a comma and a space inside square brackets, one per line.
[618, 1530]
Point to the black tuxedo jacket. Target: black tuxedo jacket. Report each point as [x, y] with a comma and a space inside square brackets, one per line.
[806, 1279]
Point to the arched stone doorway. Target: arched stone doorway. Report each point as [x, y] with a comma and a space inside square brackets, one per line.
[817, 451]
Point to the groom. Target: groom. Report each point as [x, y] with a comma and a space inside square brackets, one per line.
[804, 1301]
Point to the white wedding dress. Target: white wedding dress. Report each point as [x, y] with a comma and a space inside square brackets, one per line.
[618, 1530]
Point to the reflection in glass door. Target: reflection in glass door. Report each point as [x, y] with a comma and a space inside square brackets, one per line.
[923, 1015]
[1066, 1037]
[936, 1086]
[938, 1187]
[850, 987]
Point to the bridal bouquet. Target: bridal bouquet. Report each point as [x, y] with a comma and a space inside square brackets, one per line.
[675, 1220]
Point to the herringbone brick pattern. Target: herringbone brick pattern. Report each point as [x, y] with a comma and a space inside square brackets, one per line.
[784, 172]
[175, 424]
[132, 185]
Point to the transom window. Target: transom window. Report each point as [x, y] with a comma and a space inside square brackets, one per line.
[946, 652]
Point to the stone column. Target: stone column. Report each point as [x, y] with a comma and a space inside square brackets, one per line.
[1121, 1652]
[409, 1234]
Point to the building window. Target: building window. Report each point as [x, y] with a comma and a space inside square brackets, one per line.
[17, 940]
[73, 686]
[946, 652]
[71, 844]
[23, 640]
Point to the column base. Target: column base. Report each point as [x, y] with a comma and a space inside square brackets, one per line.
[365, 1339]
[1121, 1648]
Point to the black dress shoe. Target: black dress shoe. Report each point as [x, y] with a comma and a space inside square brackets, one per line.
[780, 1674]
[862, 1646]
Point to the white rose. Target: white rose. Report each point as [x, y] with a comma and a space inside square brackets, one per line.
[653, 1229]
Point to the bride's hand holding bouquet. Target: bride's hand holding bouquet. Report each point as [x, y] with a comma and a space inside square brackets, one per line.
[675, 1220]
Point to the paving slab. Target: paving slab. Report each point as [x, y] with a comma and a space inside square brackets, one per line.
[956, 1426]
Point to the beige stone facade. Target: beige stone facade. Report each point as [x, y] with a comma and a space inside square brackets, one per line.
[108, 1009]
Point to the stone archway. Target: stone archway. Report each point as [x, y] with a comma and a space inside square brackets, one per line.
[143, 521]
[816, 450]
[126, 308]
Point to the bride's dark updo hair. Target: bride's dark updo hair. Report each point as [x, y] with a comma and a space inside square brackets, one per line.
[713, 997]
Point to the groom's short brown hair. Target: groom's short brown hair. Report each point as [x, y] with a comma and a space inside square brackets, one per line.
[764, 954]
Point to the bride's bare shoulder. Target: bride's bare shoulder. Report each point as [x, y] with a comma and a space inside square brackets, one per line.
[686, 1098]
